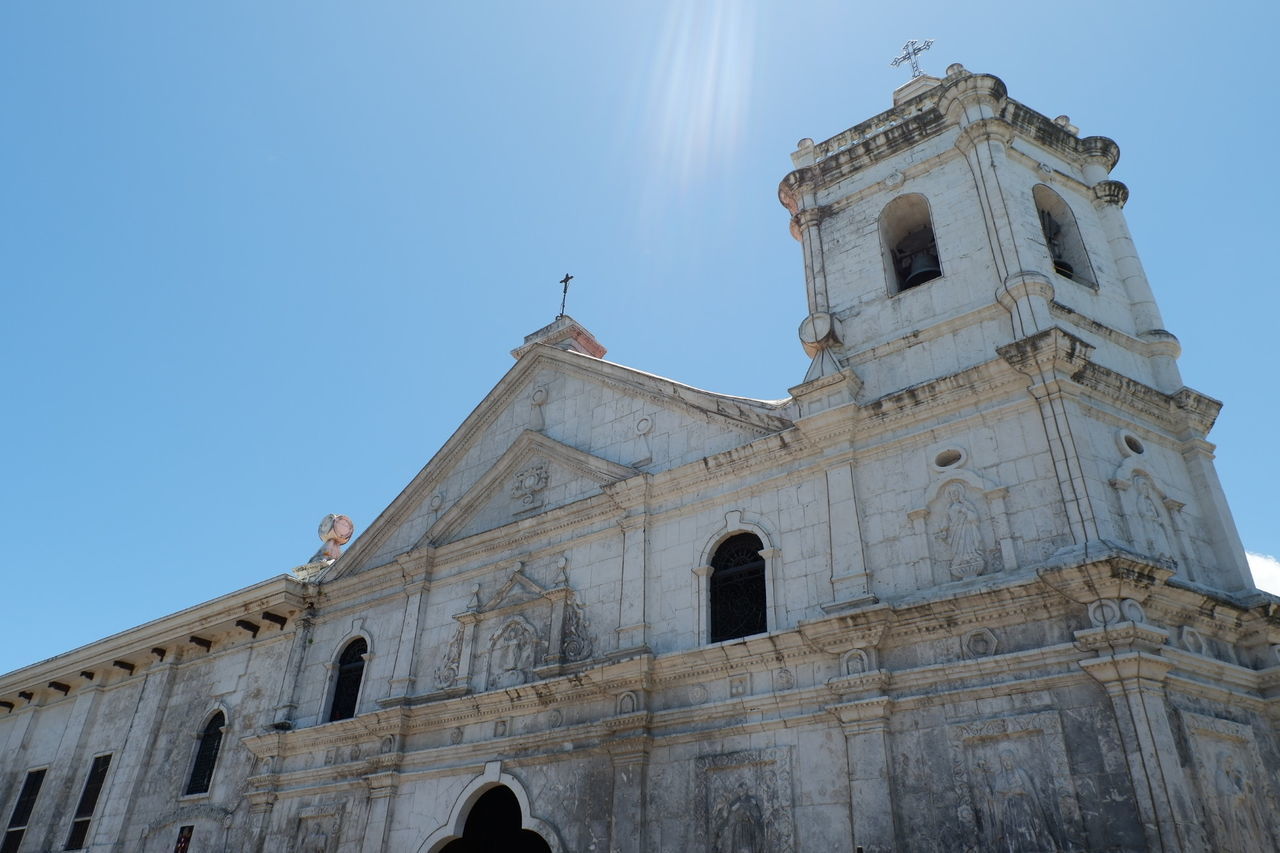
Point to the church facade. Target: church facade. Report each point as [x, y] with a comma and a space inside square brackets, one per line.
[973, 585]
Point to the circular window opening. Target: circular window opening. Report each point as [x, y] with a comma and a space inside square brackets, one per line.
[1131, 442]
[948, 458]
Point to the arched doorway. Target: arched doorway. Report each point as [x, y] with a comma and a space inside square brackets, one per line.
[493, 826]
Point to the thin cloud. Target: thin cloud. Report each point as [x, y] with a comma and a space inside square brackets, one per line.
[1266, 571]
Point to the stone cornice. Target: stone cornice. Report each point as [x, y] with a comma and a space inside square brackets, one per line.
[282, 595]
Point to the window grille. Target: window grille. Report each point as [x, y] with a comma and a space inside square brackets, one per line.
[206, 755]
[737, 591]
[88, 802]
[22, 811]
[347, 687]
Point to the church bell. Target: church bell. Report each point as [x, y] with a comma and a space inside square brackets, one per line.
[923, 266]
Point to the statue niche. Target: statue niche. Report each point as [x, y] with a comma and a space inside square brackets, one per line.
[960, 539]
[513, 653]
[1153, 530]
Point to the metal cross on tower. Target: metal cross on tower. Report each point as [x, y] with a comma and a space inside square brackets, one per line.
[565, 295]
[910, 51]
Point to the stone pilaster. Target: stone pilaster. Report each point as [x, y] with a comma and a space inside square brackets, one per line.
[1134, 678]
[1049, 359]
[629, 754]
[1228, 550]
[260, 805]
[287, 706]
[417, 586]
[382, 791]
[850, 581]
[632, 496]
[69, 763]
[866, 731]
[129, 764]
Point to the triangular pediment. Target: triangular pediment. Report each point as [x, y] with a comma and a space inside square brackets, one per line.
[536, 474]
[519, 589]
[595, 422]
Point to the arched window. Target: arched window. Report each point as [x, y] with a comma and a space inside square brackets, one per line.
[1062, 236]
[737, 592]
[346, 688]
[206, 755]
[906, 235]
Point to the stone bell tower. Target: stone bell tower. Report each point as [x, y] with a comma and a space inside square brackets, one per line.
[962, 242]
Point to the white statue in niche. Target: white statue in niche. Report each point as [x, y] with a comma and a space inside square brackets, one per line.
[739, 824]
[961, 534]
[1236, 821]
[511, 654]
[1019, 821]
[1154, 535]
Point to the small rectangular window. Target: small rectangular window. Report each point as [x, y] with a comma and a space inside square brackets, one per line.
[22, 811]
[184, 839]
[88, 802]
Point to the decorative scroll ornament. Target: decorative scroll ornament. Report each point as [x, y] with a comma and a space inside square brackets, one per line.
[528, 483]
[447, 671]
[575, 641]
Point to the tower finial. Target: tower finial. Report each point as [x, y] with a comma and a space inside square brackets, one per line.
[910, 51]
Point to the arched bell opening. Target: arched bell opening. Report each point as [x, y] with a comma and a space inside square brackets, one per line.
[1062, 236]
[494, 825]
[910, 249]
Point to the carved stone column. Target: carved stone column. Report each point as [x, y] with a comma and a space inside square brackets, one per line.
[469, 619]
[1134, 678]
[866, 730]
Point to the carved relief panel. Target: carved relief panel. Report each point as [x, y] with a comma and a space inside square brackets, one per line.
[514, 650]
[1014, 784]
[1236, 796]
[522, 632]
[746, 801]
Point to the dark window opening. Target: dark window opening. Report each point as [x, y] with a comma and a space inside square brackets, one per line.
[22, 811]
[346, 689]
[184, 839]
[737, 593]
[206, 755]
[88, 802]
[493, 824]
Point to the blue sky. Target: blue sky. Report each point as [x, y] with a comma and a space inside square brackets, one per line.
[260, 259]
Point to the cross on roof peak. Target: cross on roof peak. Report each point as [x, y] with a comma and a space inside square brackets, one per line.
[910, 51]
